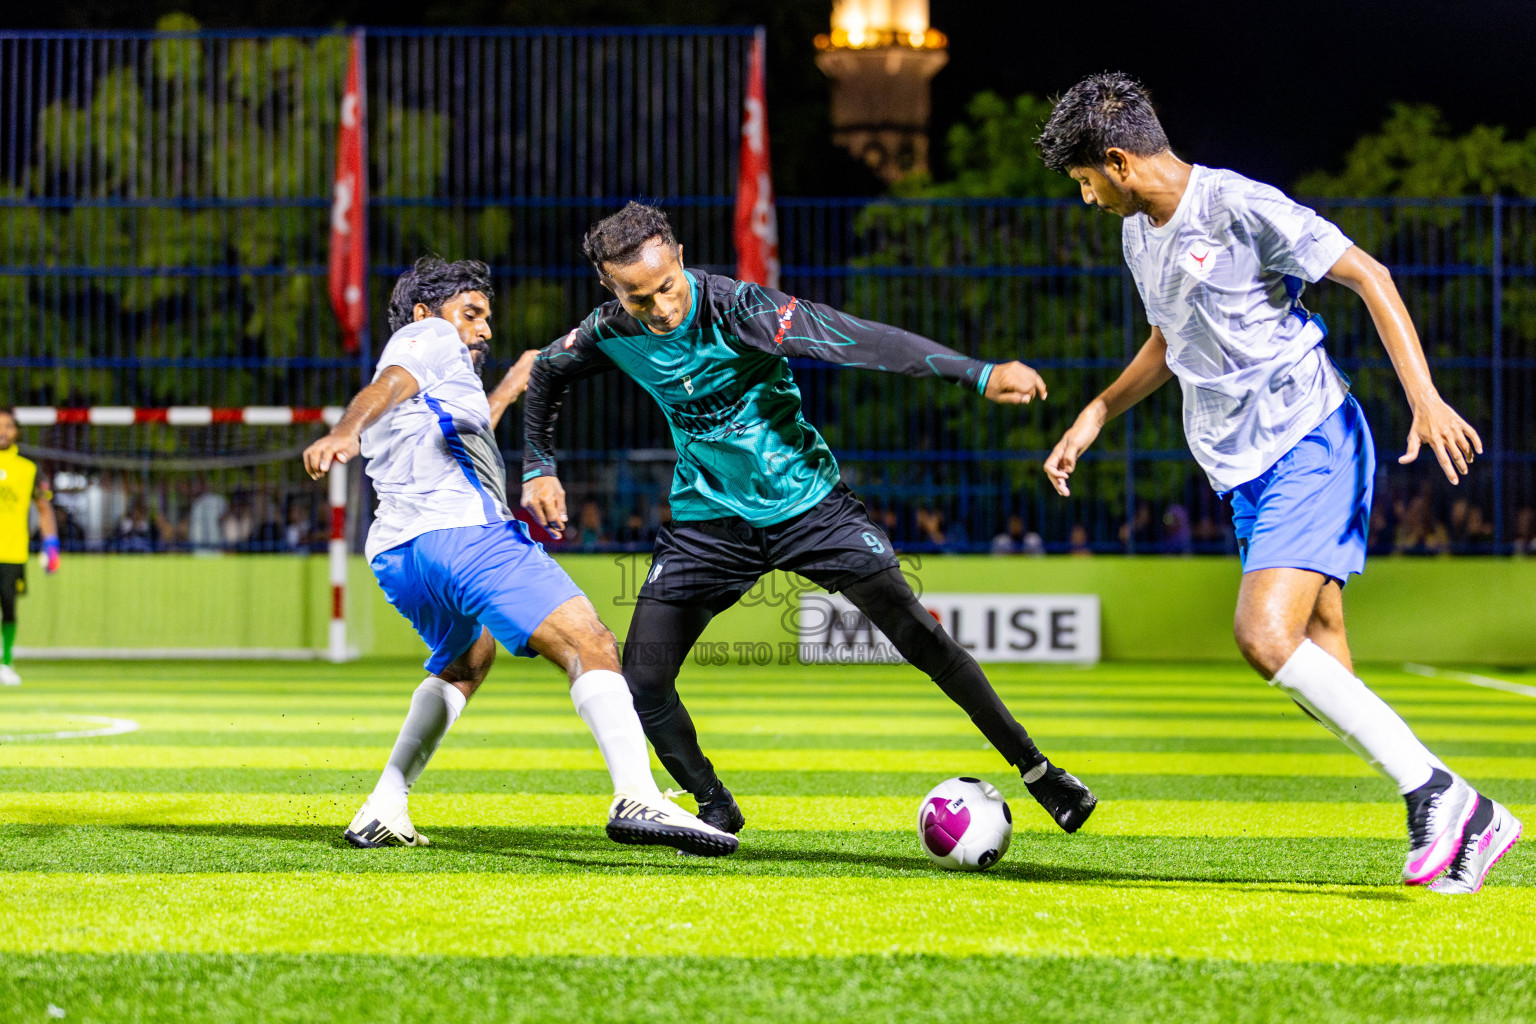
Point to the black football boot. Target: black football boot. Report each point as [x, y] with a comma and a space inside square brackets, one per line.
[718, 808]
[1061, 793]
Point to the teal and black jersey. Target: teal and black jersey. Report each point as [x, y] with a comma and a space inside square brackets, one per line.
[722, 378]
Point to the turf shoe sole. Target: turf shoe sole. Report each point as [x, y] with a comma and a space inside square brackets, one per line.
[1438, 812]
[370, 829]
[1063, 795]
[651, 822]
[1490, 834]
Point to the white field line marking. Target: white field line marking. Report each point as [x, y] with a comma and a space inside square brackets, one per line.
[1467, 677]
[109, 727]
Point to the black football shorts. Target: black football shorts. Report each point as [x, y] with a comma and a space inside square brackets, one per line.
[713, 562]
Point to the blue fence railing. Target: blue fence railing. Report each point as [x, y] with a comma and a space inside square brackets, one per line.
[164, 208]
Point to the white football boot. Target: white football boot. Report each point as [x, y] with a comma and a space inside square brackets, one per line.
[371, 828]
[1438, 812]
[639, 821]
[1490, 834]
[9, 676]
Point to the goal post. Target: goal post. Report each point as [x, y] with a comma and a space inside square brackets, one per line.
[190, 532]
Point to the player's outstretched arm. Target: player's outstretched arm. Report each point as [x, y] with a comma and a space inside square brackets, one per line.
[1147, 372]
[772, 321]
[394, 386]
[512, 385]
[1435, 423]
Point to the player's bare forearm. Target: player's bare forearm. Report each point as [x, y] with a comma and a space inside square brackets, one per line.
[1435, 423]
[512, 386]
[1145, 374]
[49, 524]
[394, 386]
[1367, 278]
[47, 521]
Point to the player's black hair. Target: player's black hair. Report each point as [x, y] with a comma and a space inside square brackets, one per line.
[6, 410]
[1102, 111]
[618, 238]
[433, 281]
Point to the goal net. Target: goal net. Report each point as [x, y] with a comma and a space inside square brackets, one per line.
[190, 532]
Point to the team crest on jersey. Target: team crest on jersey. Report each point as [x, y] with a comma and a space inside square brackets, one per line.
[1199, 258]
[688, 384]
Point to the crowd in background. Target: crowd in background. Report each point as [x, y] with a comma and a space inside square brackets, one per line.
[120, 514]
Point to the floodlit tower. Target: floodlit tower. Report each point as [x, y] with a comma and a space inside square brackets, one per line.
[881, 56]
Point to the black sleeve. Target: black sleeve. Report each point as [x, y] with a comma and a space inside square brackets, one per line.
[572, 358]
[772, 321]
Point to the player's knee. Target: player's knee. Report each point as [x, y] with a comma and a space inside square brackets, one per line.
[595, 646]
[654, 706]
[1266, 644]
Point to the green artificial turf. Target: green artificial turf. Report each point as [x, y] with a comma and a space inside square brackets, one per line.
[1241, 865]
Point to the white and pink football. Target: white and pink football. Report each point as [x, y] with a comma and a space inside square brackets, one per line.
[964, 824]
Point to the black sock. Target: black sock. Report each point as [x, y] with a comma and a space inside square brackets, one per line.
[890, 604]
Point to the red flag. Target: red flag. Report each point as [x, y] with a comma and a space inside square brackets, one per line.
[349, 208]
[757, 228]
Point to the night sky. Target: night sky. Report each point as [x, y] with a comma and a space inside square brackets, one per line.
[1272, 90]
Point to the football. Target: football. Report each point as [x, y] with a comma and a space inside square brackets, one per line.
[964, 824]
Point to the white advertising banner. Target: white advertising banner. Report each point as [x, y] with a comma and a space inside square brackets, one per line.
[993, 627]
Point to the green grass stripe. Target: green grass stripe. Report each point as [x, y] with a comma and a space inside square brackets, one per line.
[382, 675]
[944, 721]
[746, 699]
[745, 784]
[749, 701]
[831, 813]
[940, 762]
[1036, 856]
[279, 989]
[1317, 740]
[533, 915]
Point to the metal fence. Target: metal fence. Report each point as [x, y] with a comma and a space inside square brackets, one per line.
[163, 233]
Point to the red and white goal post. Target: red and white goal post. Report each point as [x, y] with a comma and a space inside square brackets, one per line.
[229, 453]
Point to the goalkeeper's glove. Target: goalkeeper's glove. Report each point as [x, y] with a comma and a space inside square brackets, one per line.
[51, 554]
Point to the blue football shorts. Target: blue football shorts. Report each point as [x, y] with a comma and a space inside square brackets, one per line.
[1312, 509]
[451, 582]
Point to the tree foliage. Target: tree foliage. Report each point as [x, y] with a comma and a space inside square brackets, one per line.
[1414, 155]
[992, 155]
[197, 173]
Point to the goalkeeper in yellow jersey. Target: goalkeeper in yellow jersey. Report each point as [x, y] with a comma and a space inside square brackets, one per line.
[19, 490]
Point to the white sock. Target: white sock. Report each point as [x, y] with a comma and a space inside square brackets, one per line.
[603, 702]
[1366, 724]
[434, 707]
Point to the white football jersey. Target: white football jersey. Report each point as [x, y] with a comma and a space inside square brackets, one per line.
[1223, 280]
[433, 458]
